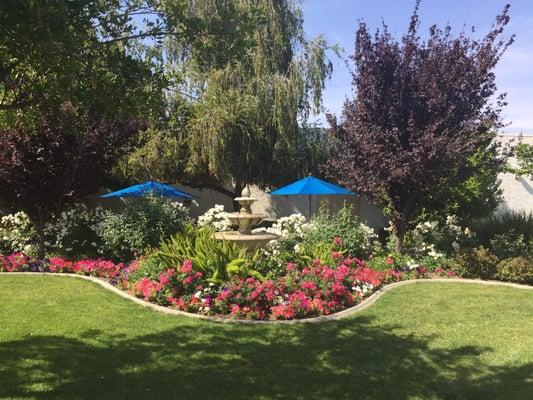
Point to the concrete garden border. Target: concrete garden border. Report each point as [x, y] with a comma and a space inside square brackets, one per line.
[336, 316]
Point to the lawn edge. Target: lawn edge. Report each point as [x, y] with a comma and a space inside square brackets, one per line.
[336, 316]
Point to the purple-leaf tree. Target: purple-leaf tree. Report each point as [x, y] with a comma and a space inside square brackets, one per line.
[421, 109]
[46, 168]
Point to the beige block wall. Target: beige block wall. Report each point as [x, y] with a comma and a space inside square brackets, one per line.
[274, 206]
[517, 191]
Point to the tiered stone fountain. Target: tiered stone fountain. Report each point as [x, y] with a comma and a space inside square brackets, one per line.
[245, 219]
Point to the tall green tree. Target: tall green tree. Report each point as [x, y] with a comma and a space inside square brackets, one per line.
[524, 159]
[80, 51]
[241, 96]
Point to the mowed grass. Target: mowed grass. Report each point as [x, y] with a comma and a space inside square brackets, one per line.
[62, 338]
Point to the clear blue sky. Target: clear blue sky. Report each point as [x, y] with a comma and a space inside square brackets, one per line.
[337, 20]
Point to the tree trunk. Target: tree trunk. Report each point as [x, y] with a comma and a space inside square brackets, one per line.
[399, 232]
[41, 246]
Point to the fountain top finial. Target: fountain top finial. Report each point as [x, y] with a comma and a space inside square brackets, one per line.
[246, 192]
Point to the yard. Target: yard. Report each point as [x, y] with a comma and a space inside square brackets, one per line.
[70, 339]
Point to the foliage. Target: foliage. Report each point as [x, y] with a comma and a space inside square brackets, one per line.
[271, 260]
[79, 51]
[395, 261]
[507, 245]
[216, 259]
[239, 98]
[516, 269]
[141, 226]
[302, 292]
[437, 239]
[422, 110]
[524, 158]
[215, 218]
[67, 156]
[502, 229]
[75, 233]
[147, 267]
[19, 262]
[17, 234]
[476, 263]
[477, 197]
[353, 237]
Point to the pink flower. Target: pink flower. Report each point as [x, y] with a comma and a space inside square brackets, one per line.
[338, 288]
[308, 285]
[342, 272]
[389, 261]
[291, 267]
[186, 267]
[337, 241]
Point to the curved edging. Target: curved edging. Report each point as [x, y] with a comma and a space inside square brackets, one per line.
[338, 315]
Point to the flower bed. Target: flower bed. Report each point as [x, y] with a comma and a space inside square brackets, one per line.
[19, 262]
[304, 291]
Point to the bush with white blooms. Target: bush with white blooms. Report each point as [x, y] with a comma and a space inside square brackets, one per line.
[215, 218]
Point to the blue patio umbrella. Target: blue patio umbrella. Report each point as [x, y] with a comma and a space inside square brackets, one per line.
[149, 187]
[311, 186]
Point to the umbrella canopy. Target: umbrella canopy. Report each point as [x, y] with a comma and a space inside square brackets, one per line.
[311, 186]
[149, 187]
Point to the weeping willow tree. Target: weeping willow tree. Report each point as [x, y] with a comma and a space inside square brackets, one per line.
[249, 87]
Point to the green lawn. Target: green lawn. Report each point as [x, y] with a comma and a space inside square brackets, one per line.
[71, 339]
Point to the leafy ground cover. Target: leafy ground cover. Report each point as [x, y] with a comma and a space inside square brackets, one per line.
[64, 338]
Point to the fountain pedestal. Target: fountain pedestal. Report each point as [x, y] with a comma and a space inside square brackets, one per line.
[245, 219]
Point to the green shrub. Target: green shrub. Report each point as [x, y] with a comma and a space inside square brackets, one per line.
[140, 227]
[509, 245]
[476, 263]
[436, 239]
[516, 269]
[17, 234]
[149, 267]
[216, 259]
[75, 234]
[357, 239]
[513, 223]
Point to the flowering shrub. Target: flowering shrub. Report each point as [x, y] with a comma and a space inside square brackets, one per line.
[75, 233]
[140, 227]
[16, 234]
[19, 262]
[438, 240]
[302, 292]
[358, 239]
[215, 218]
[292, 227]
[271, 259]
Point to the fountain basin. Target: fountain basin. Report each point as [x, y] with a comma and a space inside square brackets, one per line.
[250, 241]
[245, 221]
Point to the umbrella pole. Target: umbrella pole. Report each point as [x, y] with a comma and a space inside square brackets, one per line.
[309, 207]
